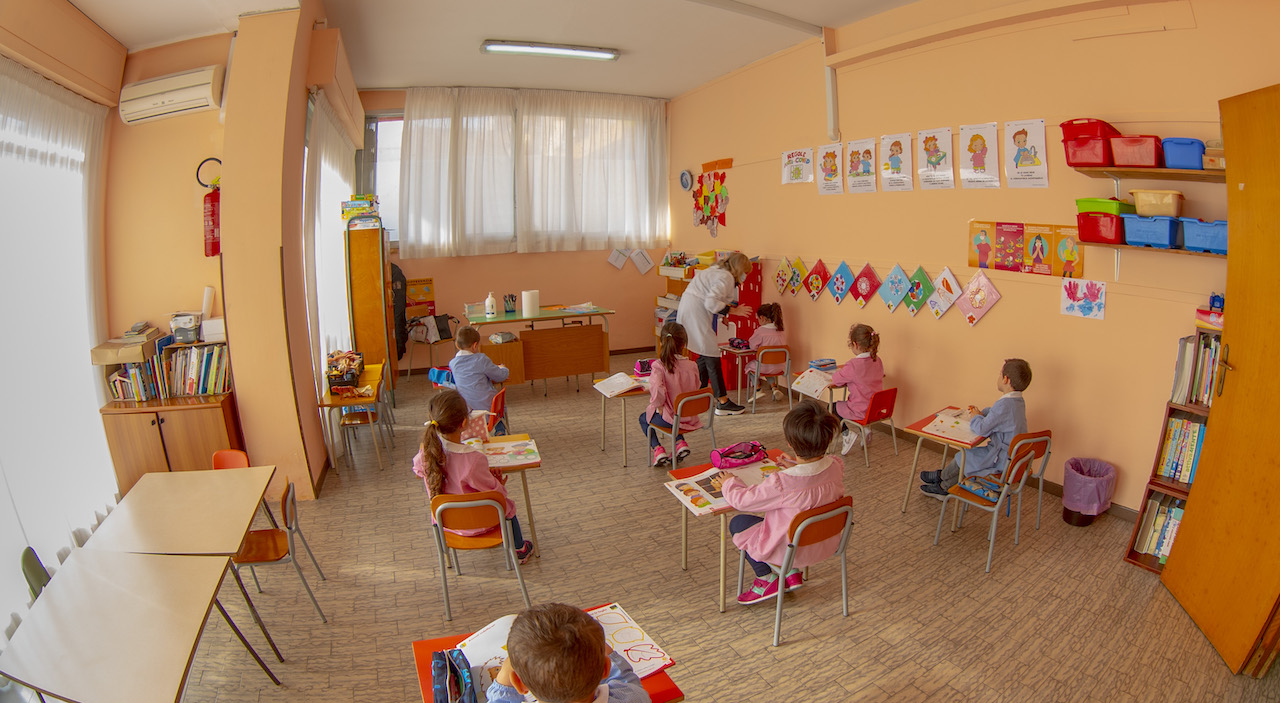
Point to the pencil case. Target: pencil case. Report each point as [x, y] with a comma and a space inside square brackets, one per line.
[644, 367]
[740, 454]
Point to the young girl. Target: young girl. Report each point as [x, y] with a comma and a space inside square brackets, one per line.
[809, 479]
[768, 334]
[863, 375]
[671, 376]
[450, 467]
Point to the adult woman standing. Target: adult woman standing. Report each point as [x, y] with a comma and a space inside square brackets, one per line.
[713, 291]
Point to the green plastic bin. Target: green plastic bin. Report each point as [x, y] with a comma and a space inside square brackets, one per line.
[1111, 206]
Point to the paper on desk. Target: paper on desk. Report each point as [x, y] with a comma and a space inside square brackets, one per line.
[697, 494]
[812, 382]
[516, 453]
[952, 424]
[619, 383]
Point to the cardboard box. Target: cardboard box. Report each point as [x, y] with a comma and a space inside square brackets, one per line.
[1214, 160]
[113, 352]
[214, 329]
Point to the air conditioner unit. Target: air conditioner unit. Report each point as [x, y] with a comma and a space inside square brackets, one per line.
[174, 94]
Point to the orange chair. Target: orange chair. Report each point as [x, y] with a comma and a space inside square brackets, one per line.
[473, 511]
[689, 405]
[880, 409]
[276, 546]
[498, 413]
[236, 459]
[770, 355]
[363, 416]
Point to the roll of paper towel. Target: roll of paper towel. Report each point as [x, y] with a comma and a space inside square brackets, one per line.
[206, 309]
[529, 303]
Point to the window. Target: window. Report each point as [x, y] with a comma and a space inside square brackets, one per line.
[386, 176]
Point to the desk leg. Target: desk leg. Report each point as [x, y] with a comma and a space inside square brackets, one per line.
[528, 510]
[684, 539]
[254, 611]
[330, 440]
[624, 432]
[603, 398]
[960, 506]
[911, 477]
[245, 642]
[724, 530]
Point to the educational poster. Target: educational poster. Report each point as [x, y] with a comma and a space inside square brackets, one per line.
[919, 288]
[816, 280]
[946, 288]
[1036, 241]
[797, 166]
[1024, 143]
[865, 285]
[618, 258]
[1086, 299]
[979, 146]
[894, 288]
[829, 159]
[1007, 247]
[782, 278]
[861, 176]
[933, 159]
[1068, 257]
[710, 201]
[895, 172]
[643, 262]
[979, 296]
[420, 291]
[981, 235]
[798, 272]
[841, 280]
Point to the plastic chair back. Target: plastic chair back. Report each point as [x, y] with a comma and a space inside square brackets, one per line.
[774, 355]
[37, 576]
[1024, 450]
[821, 523]
[230, 459]
[498, 408]
[469, 511]
[692, 403]
[881, 405]
[289, 507]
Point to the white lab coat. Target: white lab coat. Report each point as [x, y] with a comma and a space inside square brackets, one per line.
[710, 291]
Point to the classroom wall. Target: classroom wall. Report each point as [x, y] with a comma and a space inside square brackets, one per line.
[1153, 68]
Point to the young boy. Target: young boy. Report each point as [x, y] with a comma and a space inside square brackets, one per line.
[558, 652]
[1000, 423]
[474, 373]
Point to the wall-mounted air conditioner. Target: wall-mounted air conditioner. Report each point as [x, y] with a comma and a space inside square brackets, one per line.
[174, 94]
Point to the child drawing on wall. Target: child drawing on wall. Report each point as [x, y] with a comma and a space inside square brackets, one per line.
[933, 155]
[1023, 156]
[866, 162]
[894, 165]
[830, 167]
[982, 243]
[978, 153]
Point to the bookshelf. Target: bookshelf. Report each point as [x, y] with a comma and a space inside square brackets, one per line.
[675, 279]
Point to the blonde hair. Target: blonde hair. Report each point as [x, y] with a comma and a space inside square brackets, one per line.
[737, 264]
[448, 411]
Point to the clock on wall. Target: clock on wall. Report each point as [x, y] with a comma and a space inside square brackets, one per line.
[686, 179]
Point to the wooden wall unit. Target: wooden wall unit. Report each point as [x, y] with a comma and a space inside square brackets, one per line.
[369, 294]
[565, 351]
[179, 434]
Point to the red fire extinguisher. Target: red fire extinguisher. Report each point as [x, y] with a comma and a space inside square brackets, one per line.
[212, 205]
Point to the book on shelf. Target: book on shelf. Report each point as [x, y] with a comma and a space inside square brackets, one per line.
[1160, 520]
[1180, 452]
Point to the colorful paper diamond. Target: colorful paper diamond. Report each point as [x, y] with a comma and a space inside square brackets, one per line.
[782, 278]
[919, 289]
[840, 281]
[816, 281]
[865, 285]
[946, 288]
[894, 288]
[979, 296]
[798, 272]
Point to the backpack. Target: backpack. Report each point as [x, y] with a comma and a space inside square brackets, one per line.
[736, 455]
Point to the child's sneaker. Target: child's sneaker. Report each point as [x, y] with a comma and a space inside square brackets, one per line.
[931, 477]
[848, 438]
[777, 394]
[682, 449]
[524, 552]
[933, 489]
[760, 393]
[660, 457]
[761, 589]
[795, 579]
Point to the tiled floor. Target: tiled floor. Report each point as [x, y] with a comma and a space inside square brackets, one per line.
[1059, 618]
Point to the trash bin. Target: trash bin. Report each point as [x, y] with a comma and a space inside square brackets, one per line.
[1087, 487]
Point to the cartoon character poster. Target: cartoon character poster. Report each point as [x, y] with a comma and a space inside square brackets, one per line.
[839, 283]
[933, 159]
[1087, 299]
[981, 239]
[1037, 240]
[1024, 165]
[979, 296]
[978, 154]
[1068, 257]
[865, 285]
[894, 288]
[816, 280]
[831, 180]
[710, 201]
[797, 166]
[860, 167]
[919, 288]
[798, 273]
[1007, 247]
[895, 166]
[946, 288]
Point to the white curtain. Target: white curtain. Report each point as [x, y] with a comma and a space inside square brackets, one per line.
[487, 171]
[330, 173]
[55, 467]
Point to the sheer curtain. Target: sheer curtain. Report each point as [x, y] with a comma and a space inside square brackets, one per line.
[54, 463]
[330, 175]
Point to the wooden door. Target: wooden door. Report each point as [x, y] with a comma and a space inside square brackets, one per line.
[1223, 568]
[136, 448]
[192, 436]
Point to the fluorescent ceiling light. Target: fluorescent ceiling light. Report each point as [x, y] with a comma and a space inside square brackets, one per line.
[528, 48]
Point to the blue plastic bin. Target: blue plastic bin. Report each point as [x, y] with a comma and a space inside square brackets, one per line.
[1160, 232]
[1181, 152]
[1198, 235]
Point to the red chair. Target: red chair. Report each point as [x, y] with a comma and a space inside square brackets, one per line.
[880, 409]
[236, 459]
[498, 413]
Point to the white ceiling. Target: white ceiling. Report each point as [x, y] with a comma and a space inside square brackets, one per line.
[668, 46]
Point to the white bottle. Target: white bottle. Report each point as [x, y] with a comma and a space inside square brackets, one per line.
[491, 306]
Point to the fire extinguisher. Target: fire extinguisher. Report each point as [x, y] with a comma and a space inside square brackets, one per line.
[212, 206]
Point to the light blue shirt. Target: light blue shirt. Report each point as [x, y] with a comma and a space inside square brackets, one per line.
[474, 376]
[1000, 423]
[622, 686]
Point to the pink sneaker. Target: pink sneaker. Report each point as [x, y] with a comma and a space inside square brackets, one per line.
[795, 579]
[660, 457]
[761, 589]
[682, 449]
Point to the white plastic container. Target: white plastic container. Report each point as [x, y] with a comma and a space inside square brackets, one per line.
[491, 306]
[1157, 203]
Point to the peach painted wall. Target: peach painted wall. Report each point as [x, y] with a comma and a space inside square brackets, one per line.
[1099, 385]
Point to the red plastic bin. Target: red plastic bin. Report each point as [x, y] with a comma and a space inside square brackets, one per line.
[1088, 151]
[1143, 151]
[1100, 228]
[1087, 127]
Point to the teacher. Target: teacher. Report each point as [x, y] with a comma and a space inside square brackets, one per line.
[713, 291]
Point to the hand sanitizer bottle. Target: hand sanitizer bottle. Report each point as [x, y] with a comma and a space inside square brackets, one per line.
[491, 306]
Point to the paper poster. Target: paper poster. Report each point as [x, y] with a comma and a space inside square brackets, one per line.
[1086, 299]
[919, 288]
[797, 166]
[946, 288]
[978, 297]
[894, 288]
[1068, 257]
[816, 280]
[618, 257]
[841, 280]
[641, 259]
[1036, 242]
[829, 159]
[798, 272]
[979, 147]
[865, 285]
[420, 291]
[861, 174]
[1025, 165]
[981, 236]
[1007, 247]
[782, 277]
[895, 171]
[710, 201]
[933, 159]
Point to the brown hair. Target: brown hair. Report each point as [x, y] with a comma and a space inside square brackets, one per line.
[558, 651]
[863, 337]
[1018, 372]
[737, 264]
[671, 344]
[448, 411]
[809, 429]
[467, 337]
[771, 312]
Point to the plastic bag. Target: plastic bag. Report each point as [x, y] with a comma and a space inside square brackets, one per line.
[1087, 485]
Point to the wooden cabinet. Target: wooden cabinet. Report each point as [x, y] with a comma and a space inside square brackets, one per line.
[179, 434]
[369, 294]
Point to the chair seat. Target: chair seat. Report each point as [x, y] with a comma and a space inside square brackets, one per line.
[359, 417]
[484, 540]
[263, 546]
[970, 497]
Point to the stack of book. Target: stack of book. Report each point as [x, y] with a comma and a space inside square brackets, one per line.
[1180, 454]
[138, 381]
[360, 204]
[1195, 378]
[1159, 527]
[199, 370]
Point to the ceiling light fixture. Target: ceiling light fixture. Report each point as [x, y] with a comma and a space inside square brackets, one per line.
[528, 48]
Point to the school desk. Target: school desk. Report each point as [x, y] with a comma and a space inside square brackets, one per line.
[371, 376]
[740, 359]
[723, 512]
[524, 484]
[917, 428]
[575, 346]
[625, 419]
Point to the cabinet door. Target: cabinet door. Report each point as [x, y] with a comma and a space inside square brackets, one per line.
[192, 436]
[136, 448]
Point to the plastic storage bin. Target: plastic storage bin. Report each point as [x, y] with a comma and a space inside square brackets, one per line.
[1181, 152]
[1157, 203]
[1087, 127]
[1087, 151]
[1143, 151]
[1159, 232]
[1198, 235]
[1107, 205]
[1100, 228]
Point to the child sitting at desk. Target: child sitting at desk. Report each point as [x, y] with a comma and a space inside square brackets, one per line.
[809, 479]
[450, 467]
[474, 373]
[671, 376]
[768, 334]
[1000, 423]
[863, 375]
[558, 653]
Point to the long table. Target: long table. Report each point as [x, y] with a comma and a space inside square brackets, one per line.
[568, 349]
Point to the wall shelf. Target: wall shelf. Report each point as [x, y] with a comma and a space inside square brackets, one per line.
[1167, 174]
